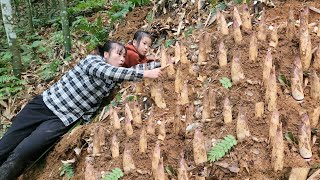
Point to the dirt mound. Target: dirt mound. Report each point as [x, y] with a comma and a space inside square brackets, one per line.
[248, 159]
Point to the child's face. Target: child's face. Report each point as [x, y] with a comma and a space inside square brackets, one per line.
[144, 46]
[116, 57]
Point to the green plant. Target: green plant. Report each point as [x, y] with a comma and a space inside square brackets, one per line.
[169, 42]
[131, 98]
[188, 32]
[283, 80]
[237, 1]
[226, 83]
[115, 174]
[150, 16]
[221, 148]
[170, 170]
[93, 32]
[29, 52]
[139, 2]
[221, 6]
[118, 99]
[119, 10]
[213, 2]
[56, 38]
[4, 128]
[10, 85]
[48, 71]
[5, 58]
[67, 170]
[290, 138]
[85, 5]
[42, 50]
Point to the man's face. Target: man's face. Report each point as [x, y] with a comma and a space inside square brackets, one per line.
[117, 56]
[144, 46]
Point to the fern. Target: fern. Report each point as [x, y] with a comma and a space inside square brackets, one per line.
[119, 10]
[139, 2]
[86, 5]
[48, 71]
[114, 175]
[6, 78]
[94, 32]
[221, 148]
[4, 70]
[5, 57]
[67, 169]
[10, 85]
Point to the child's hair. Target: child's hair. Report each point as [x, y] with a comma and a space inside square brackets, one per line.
[108, 47]
[140, 34]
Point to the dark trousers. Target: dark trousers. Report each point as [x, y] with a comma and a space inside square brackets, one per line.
[32, 132]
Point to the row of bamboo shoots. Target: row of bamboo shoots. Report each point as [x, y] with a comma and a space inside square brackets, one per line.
[157, 160]
[199, 150]
[275, 131]
[237, 73]
[245, 23]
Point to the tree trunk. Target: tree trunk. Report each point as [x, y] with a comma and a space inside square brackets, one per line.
[8, 21]
[29, 12]
[65, 27]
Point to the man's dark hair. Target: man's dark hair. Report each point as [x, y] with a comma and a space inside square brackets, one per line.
[108, 47]
[140, 34]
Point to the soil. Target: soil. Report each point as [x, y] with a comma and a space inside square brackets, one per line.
[252, 156]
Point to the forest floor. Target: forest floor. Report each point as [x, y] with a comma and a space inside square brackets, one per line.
[250, 159]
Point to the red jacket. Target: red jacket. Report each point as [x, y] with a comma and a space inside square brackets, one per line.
[133, 57]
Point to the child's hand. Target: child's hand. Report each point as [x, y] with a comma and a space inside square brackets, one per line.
[154, 73]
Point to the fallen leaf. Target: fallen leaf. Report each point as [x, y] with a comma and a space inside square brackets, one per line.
[142, 171]
[201, 78]
[314, 9]
[77, 151]
[70, 161]
[234, 168]
[192, 126]
[222, 164]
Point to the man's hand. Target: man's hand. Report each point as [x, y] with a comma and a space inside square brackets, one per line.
[154, 73]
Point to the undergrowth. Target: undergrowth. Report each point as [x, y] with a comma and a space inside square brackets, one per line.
[115, 174]
[92, 32]
[67, 170]
[9, 84]
[221, 148]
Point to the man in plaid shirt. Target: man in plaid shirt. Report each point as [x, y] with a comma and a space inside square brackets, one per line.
[78, 94]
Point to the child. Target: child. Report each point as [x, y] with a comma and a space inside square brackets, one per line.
[138, 49]
[77, 95]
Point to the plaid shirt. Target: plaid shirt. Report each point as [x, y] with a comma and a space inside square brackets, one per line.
[79, 93]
